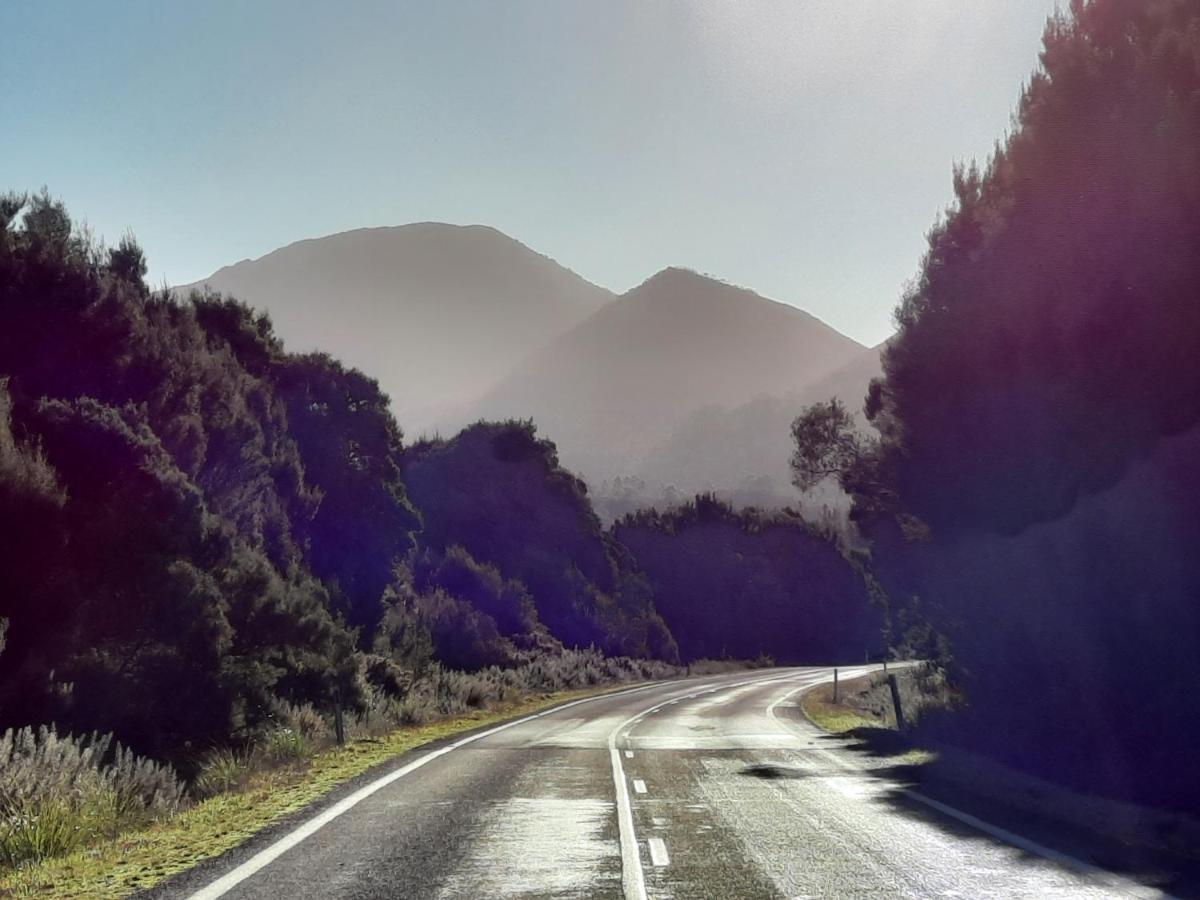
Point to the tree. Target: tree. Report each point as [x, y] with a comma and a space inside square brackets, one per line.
[828, 444]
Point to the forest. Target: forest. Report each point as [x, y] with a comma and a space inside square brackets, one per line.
[1032, 490]
[206, 533]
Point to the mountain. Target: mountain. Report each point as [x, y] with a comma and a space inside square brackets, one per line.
[438, 313]
[612, 388]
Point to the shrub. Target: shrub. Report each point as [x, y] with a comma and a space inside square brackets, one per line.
[284, 745]
[58, 793]
[463, 637]
[220, 770]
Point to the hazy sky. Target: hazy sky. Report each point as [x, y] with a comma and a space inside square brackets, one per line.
[798, 147]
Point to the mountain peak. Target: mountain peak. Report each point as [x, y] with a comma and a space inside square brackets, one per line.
[617, 383]
[679, 277]
[438, 312]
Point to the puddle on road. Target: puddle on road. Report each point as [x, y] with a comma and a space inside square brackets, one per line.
[540, 847]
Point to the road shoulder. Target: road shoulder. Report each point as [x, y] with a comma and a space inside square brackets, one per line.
[1149, 846]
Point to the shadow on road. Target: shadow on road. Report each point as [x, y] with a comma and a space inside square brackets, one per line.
[1146, 857]
[772, 772]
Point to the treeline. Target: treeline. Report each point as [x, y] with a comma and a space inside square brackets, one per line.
[201, 530]
[743, 583]
[1033, 495]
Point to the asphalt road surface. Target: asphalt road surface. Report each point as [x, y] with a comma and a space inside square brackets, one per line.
[702, 788]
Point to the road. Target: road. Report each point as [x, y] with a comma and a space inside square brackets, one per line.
[702, 788]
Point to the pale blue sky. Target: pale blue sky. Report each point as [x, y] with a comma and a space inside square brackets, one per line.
[801, 148]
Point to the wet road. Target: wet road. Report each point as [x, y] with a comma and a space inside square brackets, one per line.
[704, 788]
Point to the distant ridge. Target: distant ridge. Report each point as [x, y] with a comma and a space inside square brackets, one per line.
[436, 312]
[610, 389]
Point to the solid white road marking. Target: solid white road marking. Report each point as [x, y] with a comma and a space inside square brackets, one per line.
[1127, 887]
[639, 786]
[658, 852]
[265, 857]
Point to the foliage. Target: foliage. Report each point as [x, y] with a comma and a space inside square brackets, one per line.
[1040, 409]
[1049, 338]
[827, 444]
[62, 792]
[739, 584]
[497, 491]
[205, 518]
[460, 575]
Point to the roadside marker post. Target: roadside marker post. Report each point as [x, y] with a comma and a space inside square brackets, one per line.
[835, 684]
[896, 701]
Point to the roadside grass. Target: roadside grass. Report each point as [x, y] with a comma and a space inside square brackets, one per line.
[139, 859]
[866, 701]
[837, 718]
[863, 711]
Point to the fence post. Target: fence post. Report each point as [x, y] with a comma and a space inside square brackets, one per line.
[896, 702]
[835, 684]
[339, 726]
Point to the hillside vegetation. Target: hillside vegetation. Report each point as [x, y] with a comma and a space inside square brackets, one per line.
[1033, 494]
[204, 530]
[744, 583]
[215, 546]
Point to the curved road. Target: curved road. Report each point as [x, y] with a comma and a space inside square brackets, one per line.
[703, 788]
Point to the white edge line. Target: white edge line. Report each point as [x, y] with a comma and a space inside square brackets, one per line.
[1131, 888]
[1111, 879]
[269, 854]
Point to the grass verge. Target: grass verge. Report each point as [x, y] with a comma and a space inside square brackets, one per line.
[141, 859]
[818, 706]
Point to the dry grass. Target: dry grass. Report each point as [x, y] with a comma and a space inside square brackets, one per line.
[817, 704]
[59, 793]
[866, 702]
[139, 859]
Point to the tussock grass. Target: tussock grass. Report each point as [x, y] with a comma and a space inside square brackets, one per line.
[237, 792]
[817, 704]
[140, 858]
[58, 793]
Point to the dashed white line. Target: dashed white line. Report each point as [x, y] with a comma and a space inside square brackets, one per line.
[639, 786]
[629, 754]
[633, 881]
[658, 852]
[268, 855]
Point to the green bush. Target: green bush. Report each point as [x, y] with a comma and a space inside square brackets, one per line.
[284, 745]
[220, 770]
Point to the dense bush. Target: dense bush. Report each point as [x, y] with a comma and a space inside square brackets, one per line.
[458, 574]
[193, 516]
[1035, 487]
[498, 491]
[744, 583]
